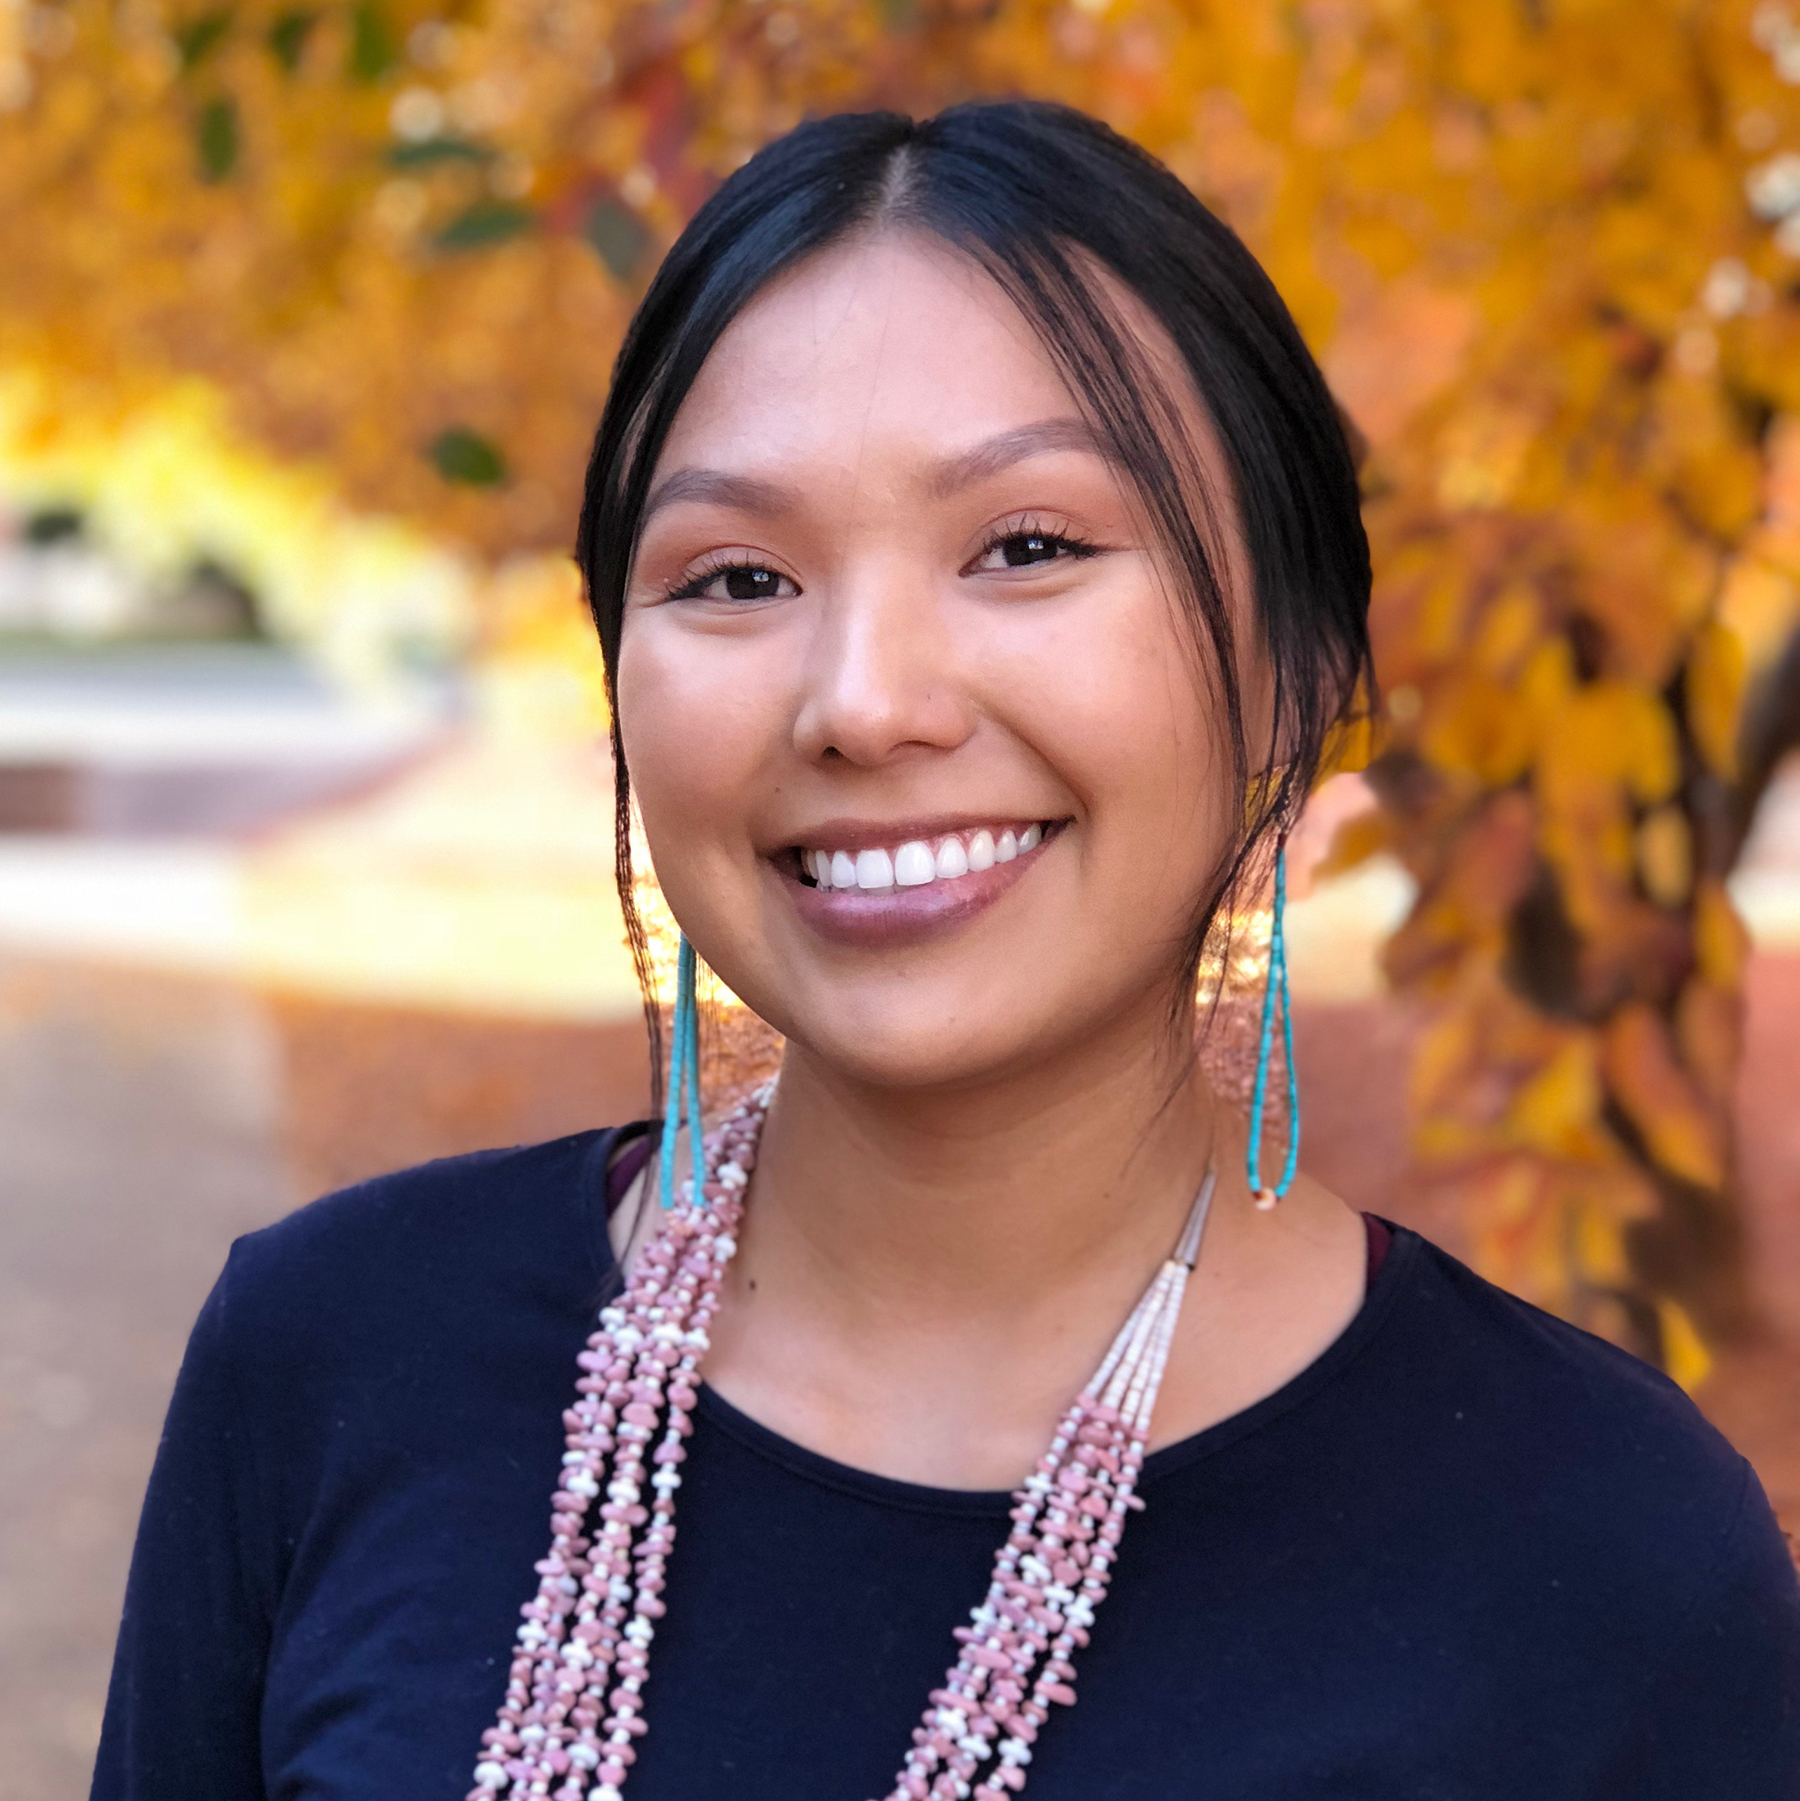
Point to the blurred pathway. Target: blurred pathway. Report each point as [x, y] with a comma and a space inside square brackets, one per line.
[138, 1120]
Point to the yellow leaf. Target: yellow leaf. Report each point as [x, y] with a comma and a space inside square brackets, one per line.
[1715, 696]
[1351, 745]
[1760, 606]
[1721, 944]
[1683, 1133]
[1476, 727]
[1685, 1357]
[1709, 1027]
[1665, 856]
[1647, 740]
[1556, 1109]
[1443, 1051]
[1600, 1247]
[1360, 837]
[1549, 677]
[1508, 629]
[1483, 456]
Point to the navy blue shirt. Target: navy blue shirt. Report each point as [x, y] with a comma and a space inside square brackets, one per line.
[1470, 1554]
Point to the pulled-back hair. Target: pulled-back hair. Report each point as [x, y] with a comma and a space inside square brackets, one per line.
[1039, 196]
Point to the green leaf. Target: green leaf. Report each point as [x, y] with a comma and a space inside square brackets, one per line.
[54, 525]
[486, 222]
[465, 456]
[373, 50]
[197, 39]
[287, 38]
[216, 139]
[436, 150]
[619, 235]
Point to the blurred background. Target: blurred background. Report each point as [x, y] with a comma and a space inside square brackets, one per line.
[306, 314]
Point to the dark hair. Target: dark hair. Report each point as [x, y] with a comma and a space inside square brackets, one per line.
[1037, 195]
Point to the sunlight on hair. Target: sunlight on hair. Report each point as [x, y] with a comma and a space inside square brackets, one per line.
[738, 1050]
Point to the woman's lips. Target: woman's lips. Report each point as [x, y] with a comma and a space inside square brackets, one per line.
[899, 913]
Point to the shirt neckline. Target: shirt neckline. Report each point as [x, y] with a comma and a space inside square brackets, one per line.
[911, 1497]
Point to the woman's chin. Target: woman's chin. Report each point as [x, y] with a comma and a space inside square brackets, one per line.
[915, 1046]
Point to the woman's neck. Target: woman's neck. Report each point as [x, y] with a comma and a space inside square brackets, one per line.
[926, 1279]
[981, 1201]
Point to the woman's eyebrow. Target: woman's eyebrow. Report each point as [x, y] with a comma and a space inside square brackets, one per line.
[770, 500]
[747, 493]
[1005, 448]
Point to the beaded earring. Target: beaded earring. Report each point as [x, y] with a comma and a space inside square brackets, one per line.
[1265, 1198]
[681, 1104]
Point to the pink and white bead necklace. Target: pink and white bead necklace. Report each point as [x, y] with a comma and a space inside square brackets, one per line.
[574, 1711]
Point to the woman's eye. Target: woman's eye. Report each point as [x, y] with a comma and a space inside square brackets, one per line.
[736, 581]
[1025, 550]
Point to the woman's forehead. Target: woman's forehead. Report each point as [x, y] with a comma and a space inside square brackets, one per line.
[894, 342]
[883, 335]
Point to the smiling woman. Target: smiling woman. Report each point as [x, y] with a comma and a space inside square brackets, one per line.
[975, 550]
[943, 636]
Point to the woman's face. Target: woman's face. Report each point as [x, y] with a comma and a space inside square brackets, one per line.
[927, 763]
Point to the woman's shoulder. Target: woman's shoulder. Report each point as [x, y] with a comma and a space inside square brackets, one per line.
[464, 1238]
[402, 1328]
[1582, 1453]
[1526, 1364]
[489, 1194]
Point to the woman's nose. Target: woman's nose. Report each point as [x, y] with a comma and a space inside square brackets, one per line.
[882, 676]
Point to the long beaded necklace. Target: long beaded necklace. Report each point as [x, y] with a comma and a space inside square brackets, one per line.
[574, 1711]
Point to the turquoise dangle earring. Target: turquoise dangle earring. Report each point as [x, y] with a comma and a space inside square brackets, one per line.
[681, 1102]
[1265, 1198]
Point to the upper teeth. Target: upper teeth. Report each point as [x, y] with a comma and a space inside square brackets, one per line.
[916, 862]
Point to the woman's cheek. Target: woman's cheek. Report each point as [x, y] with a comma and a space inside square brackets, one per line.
[1113, 700]
[688, 776]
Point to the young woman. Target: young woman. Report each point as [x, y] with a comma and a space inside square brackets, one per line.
[976, 553]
